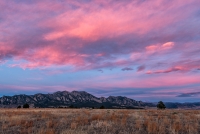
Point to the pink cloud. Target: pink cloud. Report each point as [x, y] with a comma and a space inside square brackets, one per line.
[86, 37]
[166, 71]
[168, 45]
[37, 88]
[107, 22]
[132, 80]
[50, 56]
[154, 48]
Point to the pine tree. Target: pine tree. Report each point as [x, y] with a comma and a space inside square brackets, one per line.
[161, 105]
[19, 107]
[102, 107]
[26, 105]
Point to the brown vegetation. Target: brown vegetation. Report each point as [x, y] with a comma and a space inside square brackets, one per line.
[109, 121]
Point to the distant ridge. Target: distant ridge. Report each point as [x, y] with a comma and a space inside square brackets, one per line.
[186, 105]
[76, 98]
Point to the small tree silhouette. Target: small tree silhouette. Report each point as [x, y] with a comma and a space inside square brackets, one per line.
[161, 105]
[19, 107]
[102, 107]
[26, 105]
[71, 106]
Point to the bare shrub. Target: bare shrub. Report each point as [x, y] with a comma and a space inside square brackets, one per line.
[74, 125]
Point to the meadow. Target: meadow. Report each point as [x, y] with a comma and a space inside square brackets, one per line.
[99, 121]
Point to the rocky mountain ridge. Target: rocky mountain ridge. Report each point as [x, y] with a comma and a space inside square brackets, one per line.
[75, 98]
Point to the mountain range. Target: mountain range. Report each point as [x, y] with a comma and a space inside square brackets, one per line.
[82, 99]
[66, 99]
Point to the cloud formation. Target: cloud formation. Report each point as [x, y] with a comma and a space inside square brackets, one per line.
[84, 36]
[155, 38]
[189, 94]
[127, 69]
[166, 71]
[140, 68]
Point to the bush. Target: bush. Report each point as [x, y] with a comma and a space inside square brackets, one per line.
[26, 105]
[161, 105]
[19, 107]
[71, 106]
[102, 107]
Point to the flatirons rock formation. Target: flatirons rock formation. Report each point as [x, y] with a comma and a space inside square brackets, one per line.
[75, 98]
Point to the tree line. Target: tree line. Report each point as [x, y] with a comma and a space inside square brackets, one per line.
[160, 105]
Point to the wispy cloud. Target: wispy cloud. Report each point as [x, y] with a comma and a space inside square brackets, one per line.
[100, 70]
[189, 94]
[127, 69]
[141, 68]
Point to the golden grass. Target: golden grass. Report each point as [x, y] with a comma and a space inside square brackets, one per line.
[109, 121]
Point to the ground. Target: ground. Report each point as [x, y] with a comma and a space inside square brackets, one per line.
[99, 121]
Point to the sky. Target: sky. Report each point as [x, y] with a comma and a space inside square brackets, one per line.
[146, 50]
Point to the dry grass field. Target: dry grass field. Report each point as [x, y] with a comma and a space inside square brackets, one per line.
[98, 121]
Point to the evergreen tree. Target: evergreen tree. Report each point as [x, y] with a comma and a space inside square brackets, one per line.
[19, 107]
[26, 105]
[102, 107]
[71, 106]
[161, 105]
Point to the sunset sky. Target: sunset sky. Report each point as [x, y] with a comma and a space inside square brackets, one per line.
[147, 50]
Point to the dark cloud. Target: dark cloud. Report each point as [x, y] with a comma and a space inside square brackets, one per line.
[165, 71]
[140, 68]
[169, 70]
[127, 69]
[100, 70]
[189, 94]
